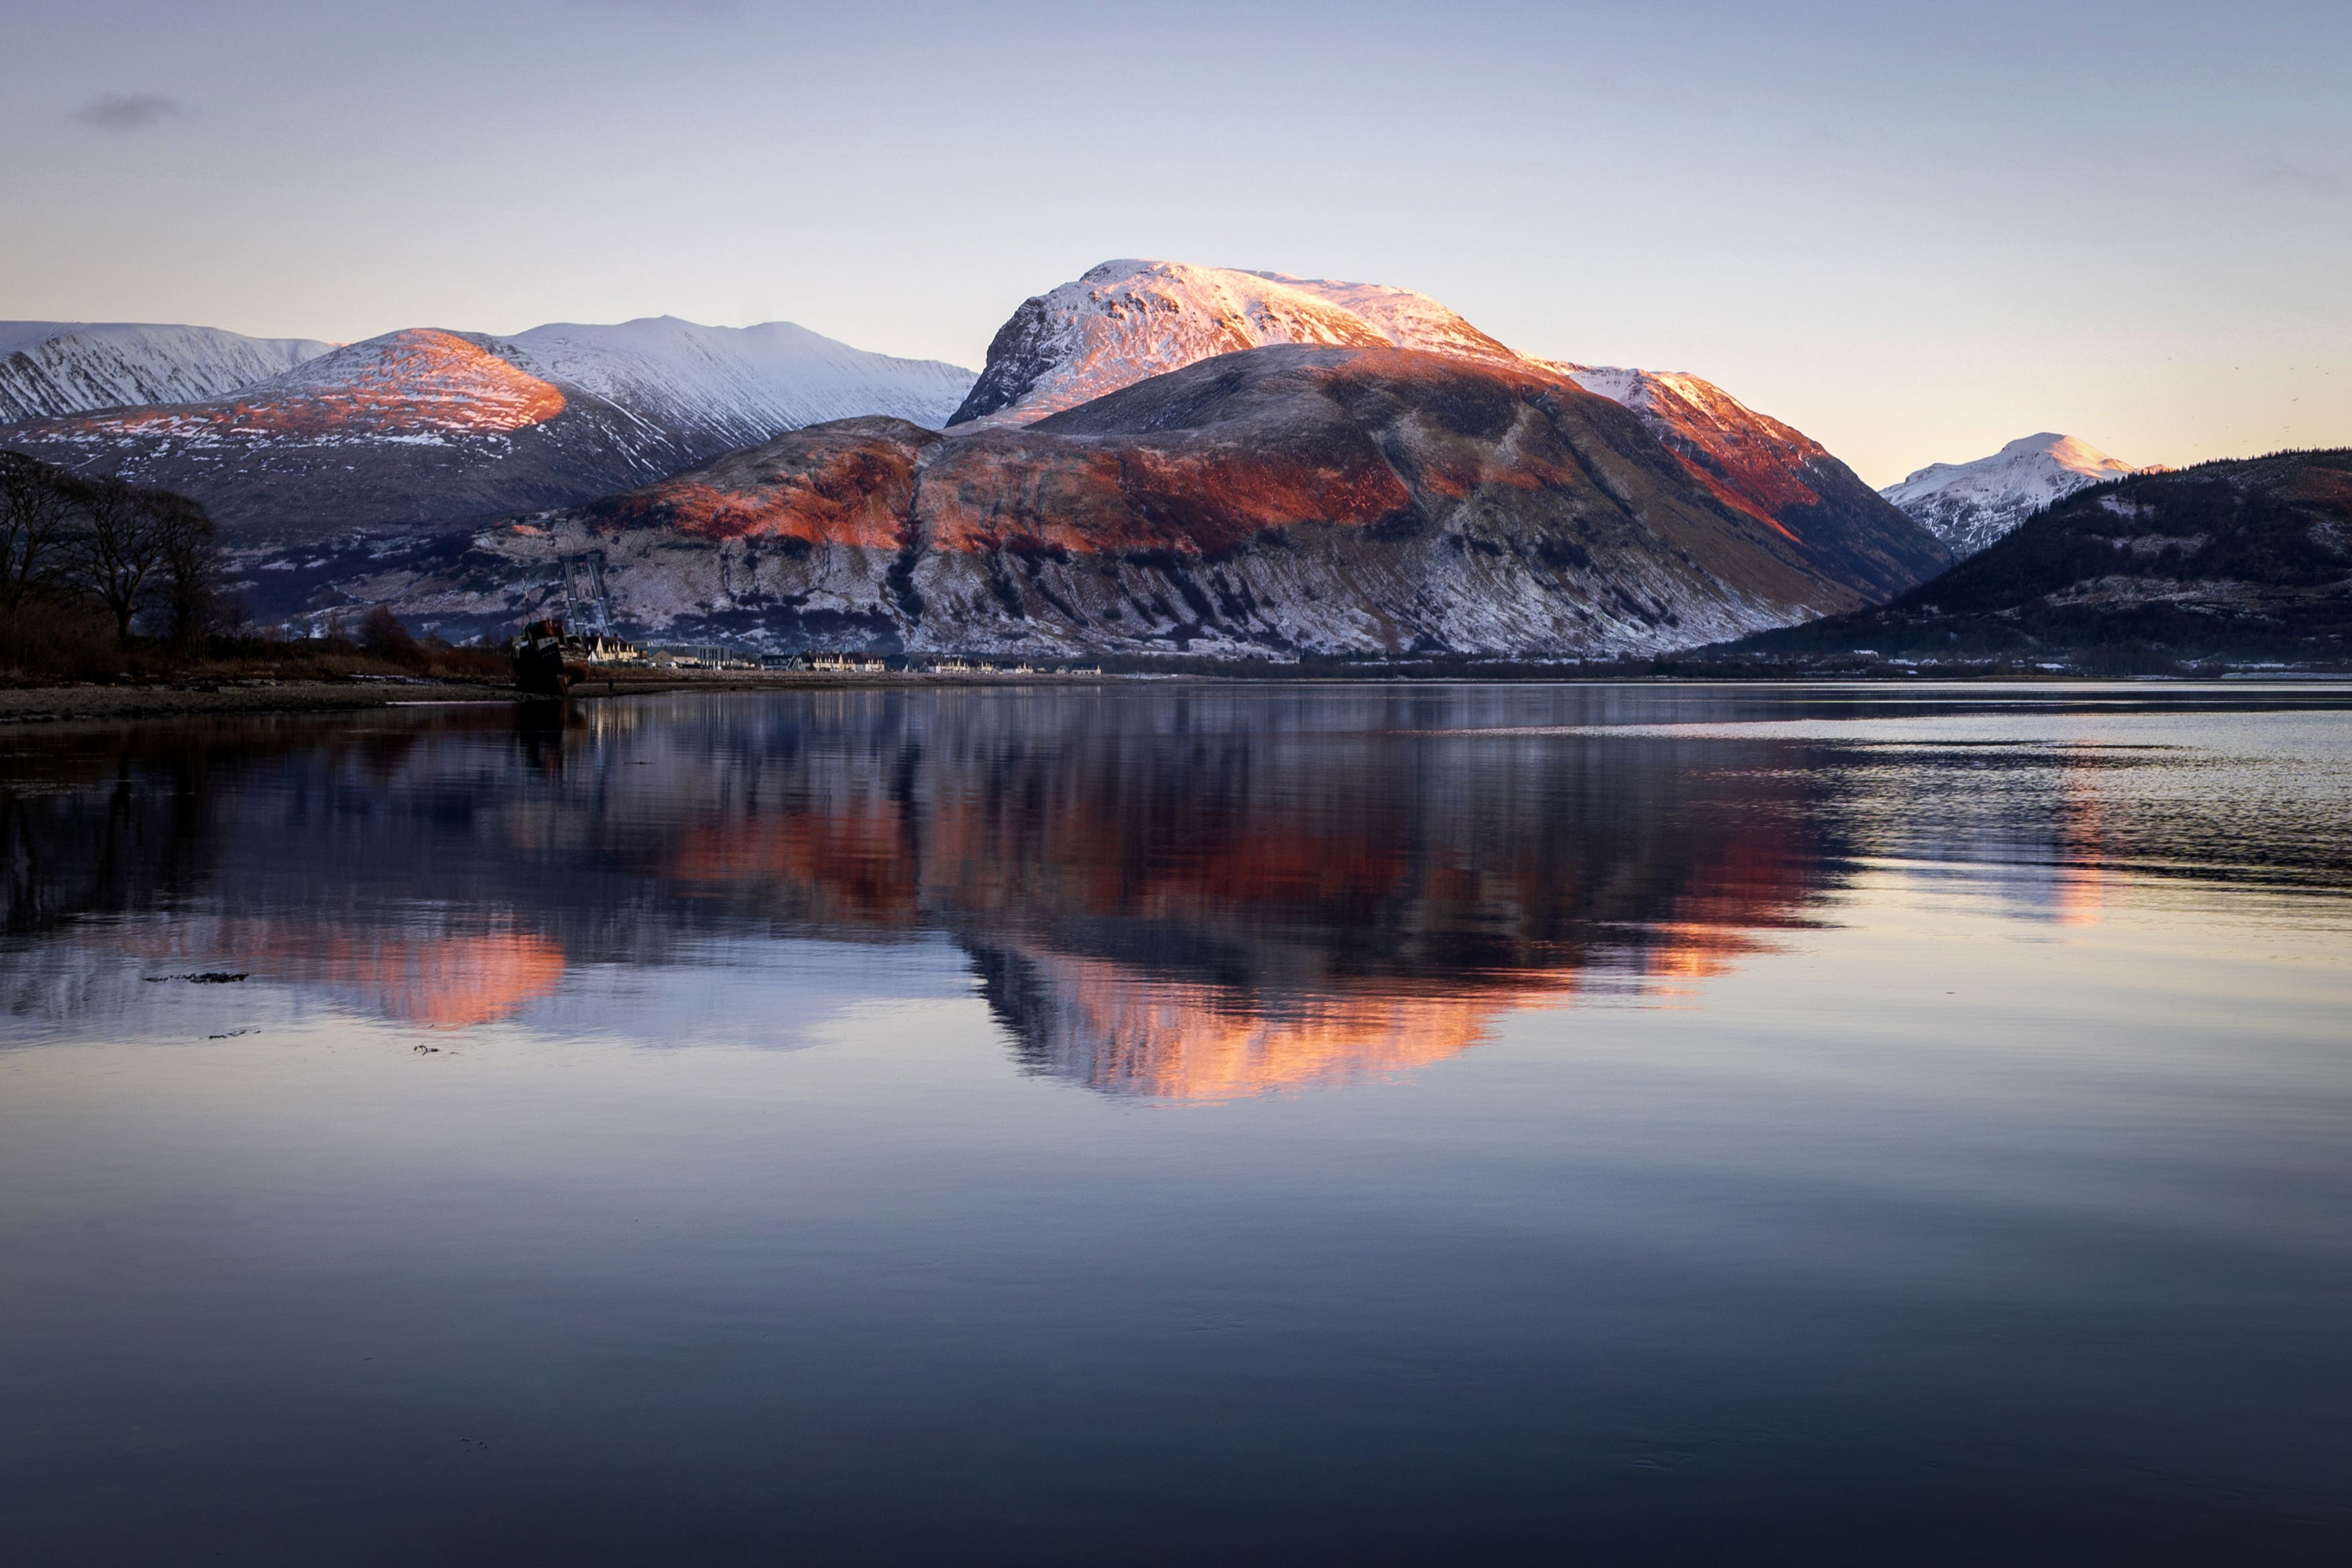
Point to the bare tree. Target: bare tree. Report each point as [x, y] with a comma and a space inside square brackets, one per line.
[121, 551]
[382, 635]
[191, 590]
[37, 517]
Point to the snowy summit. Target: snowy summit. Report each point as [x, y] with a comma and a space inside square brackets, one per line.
[1126, 321]
[1970, 505]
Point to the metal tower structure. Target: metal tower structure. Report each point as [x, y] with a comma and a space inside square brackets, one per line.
[587, 608]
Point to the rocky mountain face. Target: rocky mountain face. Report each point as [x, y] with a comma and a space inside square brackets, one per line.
[49, 368]
[424, 428]
[1276, 501]
[2248, 561]
[1126, 321]
[1775, 473]
[1968, 506]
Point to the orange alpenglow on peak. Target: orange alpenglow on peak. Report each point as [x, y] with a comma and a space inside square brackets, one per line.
[419, 382]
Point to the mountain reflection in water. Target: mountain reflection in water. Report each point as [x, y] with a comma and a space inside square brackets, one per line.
[1196, 892]
[1171, 1122]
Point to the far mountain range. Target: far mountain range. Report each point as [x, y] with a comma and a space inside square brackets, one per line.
[1155, 456]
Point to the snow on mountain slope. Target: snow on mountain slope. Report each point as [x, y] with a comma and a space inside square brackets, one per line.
[1970, 505]
[415, 427]
[1127, 320]
[69, 367]
[1409, 320]
[738, 385]
[425, 425]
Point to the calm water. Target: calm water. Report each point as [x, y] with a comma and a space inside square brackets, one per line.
[1185, 1123]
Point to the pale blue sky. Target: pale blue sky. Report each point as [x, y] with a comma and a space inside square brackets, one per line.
[1915, 233]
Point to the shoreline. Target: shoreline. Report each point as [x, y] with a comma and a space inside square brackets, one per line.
[34, 704]
[87, 702]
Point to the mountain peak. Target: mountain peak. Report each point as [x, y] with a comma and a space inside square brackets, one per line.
[1970, 505]
[1127, 319]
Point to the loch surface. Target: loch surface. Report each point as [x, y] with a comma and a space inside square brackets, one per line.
[1185, 1122]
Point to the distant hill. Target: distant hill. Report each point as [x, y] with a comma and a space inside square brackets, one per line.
[1968, 506]
[2247, 560]
[423, 428]
[49, 368]
[738, 386]
[405, 431]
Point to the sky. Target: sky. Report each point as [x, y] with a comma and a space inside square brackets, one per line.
[1914, 231]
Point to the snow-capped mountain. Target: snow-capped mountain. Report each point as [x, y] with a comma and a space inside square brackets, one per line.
[1276, 501]
[1970, 505]
[1126, 321]
[413, 428]
[738, 385]
[67, 367]
[425, 426]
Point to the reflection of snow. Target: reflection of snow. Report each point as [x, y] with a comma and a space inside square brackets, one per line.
[1118, 1028]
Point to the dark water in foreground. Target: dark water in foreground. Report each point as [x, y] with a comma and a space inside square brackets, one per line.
[1185, 1125]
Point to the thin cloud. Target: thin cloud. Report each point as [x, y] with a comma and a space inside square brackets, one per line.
[2272, 167]
[682, 9]
[130, 111]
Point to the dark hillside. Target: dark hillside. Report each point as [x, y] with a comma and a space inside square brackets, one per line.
[2248, 559]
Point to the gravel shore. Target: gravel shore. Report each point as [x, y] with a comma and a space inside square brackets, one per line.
[34, 704]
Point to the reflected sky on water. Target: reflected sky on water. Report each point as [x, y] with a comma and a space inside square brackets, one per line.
[1404, 1122]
